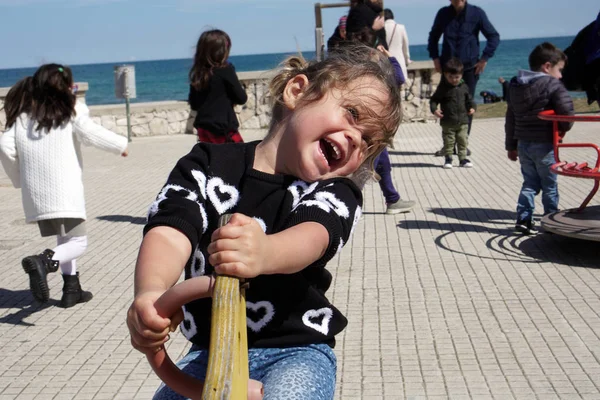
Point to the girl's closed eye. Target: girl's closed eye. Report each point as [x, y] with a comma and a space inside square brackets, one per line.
[354, 113]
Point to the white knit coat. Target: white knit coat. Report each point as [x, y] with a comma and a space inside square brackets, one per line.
[398, 43]
[47, 165]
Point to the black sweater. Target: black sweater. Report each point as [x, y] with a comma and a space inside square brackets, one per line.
[282, 310]
[214, 104]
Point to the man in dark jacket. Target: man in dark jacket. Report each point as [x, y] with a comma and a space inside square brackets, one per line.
[529, 138]
[461, 23]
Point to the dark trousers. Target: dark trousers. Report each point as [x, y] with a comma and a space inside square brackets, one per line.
[384, 168]
[471, 80]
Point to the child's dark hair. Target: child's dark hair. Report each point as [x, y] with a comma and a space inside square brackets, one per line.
[47, 97]
[454, 66]
[388, 14]
[365, 35]
[337, 71]
[543, 53]
[212, 51]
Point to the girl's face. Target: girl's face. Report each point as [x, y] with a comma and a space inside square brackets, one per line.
[325, 138]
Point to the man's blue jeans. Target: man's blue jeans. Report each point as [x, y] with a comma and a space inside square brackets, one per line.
[536, 159]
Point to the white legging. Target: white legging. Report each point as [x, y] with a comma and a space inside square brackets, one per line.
[68, 249]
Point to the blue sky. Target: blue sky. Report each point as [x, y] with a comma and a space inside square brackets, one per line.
[94, 31]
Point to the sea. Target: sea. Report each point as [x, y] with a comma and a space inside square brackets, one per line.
[160, 80]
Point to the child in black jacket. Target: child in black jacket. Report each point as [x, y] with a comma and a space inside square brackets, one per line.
[456, 105]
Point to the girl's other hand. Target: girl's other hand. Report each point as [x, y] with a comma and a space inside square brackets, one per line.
[148, 330]
[125, 153]
[239, 248]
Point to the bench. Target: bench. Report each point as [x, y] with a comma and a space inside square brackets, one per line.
[573, 168]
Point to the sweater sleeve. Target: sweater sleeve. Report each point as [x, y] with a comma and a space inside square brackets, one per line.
[510, 143]
[435, 100]
[337, 205]
[469, 101]
[490, 33]
[405, 45]
[400, 79]
[435, 34]
[192, 98]
[92, 134]
[180, 204]
[234, 88]
[9, 156]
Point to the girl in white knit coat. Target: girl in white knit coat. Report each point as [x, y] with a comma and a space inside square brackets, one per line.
[41, 154]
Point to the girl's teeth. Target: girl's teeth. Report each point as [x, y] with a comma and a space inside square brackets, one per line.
[335, 150]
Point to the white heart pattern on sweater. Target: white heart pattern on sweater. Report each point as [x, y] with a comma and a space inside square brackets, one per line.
[232, 193]
[324, 313]
[188, 326]
[198, 264]
[201, 181]
[269, 310]
[299, 189]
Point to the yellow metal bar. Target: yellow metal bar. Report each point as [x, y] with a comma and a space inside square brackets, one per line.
[227, 372]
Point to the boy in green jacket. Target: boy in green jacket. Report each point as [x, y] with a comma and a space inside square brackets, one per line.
[456, 106]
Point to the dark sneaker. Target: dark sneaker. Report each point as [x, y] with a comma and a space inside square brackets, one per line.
[466, 163]
[526, 227]
[439, 153]
[448, 163]
[38, 267]
[401, 206]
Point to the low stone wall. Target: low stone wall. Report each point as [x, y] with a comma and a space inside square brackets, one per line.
[175, 117]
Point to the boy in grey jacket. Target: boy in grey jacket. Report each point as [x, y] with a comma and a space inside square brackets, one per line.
[529, 138]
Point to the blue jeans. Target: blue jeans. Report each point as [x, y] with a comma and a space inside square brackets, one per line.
[383, 167]
[536, 159]
[294, 373]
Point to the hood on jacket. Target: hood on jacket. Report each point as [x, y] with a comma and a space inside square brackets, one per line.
[525, 77]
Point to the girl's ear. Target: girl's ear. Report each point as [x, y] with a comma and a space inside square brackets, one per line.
[294, 89]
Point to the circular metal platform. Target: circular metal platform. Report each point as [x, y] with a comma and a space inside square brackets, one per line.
[583, 225]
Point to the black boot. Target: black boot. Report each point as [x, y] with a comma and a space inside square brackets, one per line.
[72, 292]
[38, 267]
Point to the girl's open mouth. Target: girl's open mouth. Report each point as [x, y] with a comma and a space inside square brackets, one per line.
[330, 151]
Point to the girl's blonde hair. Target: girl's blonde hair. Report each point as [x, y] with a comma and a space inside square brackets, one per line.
[350, 62]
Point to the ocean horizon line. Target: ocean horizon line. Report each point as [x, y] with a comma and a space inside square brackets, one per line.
[121, 62]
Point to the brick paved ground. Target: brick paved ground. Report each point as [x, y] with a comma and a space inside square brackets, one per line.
[443, 302]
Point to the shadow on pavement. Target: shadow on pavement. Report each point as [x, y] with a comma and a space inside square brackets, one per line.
[505, 244]
[24, 302]
[408, 153]
[416, 165]
[475, 214]
[123, 218]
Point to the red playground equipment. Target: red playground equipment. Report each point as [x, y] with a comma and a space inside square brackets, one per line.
[583, 222]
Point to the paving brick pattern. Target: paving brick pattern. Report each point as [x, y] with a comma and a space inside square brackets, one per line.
[445, 302]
